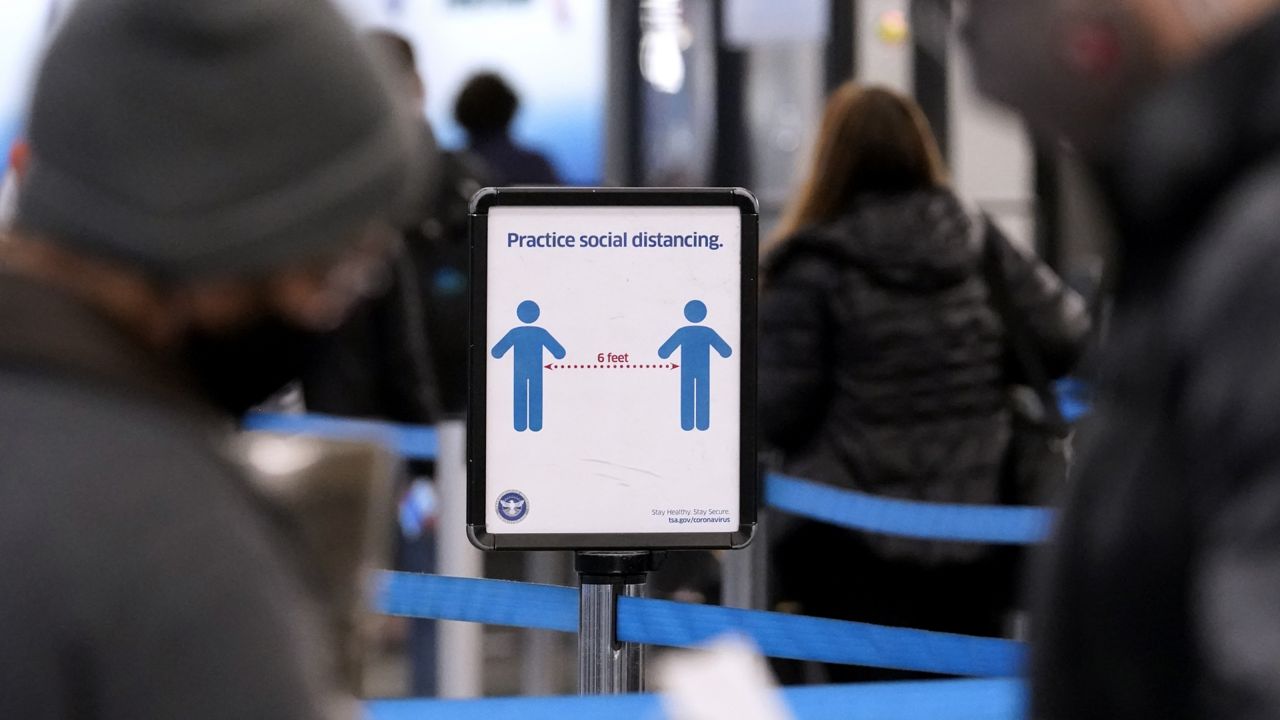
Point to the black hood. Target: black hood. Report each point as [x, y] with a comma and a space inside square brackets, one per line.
[920, 241]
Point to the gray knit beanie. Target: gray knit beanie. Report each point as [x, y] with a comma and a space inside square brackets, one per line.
[198, 138]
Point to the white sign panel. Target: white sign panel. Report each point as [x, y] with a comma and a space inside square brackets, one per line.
[613, 352]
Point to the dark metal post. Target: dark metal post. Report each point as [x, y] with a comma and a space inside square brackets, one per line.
[931, 27]
[840, 53]
[624, 106]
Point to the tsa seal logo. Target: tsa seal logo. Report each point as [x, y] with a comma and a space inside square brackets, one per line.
[513, 506]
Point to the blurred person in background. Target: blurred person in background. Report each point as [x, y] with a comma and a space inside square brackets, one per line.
[883, 369]
[1159, 593]
[209, 184]
[436, 242]
[377, 365]
[485, 107]
[437, 235]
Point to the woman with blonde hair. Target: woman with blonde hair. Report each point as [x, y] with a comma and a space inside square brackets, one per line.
[883, 368]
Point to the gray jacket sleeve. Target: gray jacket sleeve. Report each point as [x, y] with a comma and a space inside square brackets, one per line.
[205, 619]
[1228, 340]
[1237, 592]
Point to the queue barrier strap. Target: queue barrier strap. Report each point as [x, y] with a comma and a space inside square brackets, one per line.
[418, 442]
[413, 442]
[661, 622]
[805, 498]
[995, 699]
[490, 602]
[908, 518]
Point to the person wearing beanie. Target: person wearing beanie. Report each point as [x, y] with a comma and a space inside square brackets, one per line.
[208, 185]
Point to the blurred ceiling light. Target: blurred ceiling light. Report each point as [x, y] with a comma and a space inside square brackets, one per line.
[661, 55]
[893, 28]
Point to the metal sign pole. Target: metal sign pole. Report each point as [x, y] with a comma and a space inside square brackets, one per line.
[607, 666]
[459, 659]
[746, 570]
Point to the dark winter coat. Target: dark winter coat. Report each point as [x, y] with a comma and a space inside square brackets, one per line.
[439, 245]
[512, 164]
[882, 360]
[377, 364]
[1162, 597]
[142, 576]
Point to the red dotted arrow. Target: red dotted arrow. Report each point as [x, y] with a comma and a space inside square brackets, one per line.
[606, 366]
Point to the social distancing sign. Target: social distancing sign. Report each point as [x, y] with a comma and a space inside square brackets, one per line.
[613, 369]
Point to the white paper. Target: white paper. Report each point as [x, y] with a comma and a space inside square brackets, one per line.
[730, 680]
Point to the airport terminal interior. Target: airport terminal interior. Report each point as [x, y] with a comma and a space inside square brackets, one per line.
[814, 316]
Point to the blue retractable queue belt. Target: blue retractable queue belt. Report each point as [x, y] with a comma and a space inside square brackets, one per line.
[995, 699]
[817, 501]
[673, 624]
[413, 442]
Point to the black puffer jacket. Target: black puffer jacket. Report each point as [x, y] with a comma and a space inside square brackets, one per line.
[882, 359]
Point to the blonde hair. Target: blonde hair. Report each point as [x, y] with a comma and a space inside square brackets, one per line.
[872, 140]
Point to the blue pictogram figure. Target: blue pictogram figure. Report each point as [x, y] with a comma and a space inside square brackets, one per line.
[528, 343]
[695, 343]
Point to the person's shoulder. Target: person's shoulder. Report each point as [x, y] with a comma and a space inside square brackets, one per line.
[803, 258]
[539, 157]
[464, 166]
[107, 476]
[1236, 258]
[1219, 313]
[1244, 221]
[93, 418]
[540, 168]
[111, 452]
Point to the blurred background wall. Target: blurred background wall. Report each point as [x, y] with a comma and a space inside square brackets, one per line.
[553, 52]
[23, 27]
[701, 92]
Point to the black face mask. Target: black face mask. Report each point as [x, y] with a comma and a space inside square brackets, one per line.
[243, 368]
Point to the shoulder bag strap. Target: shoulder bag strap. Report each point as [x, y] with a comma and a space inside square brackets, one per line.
[1018, 336]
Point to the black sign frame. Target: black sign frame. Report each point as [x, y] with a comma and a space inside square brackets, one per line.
[749, 493]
